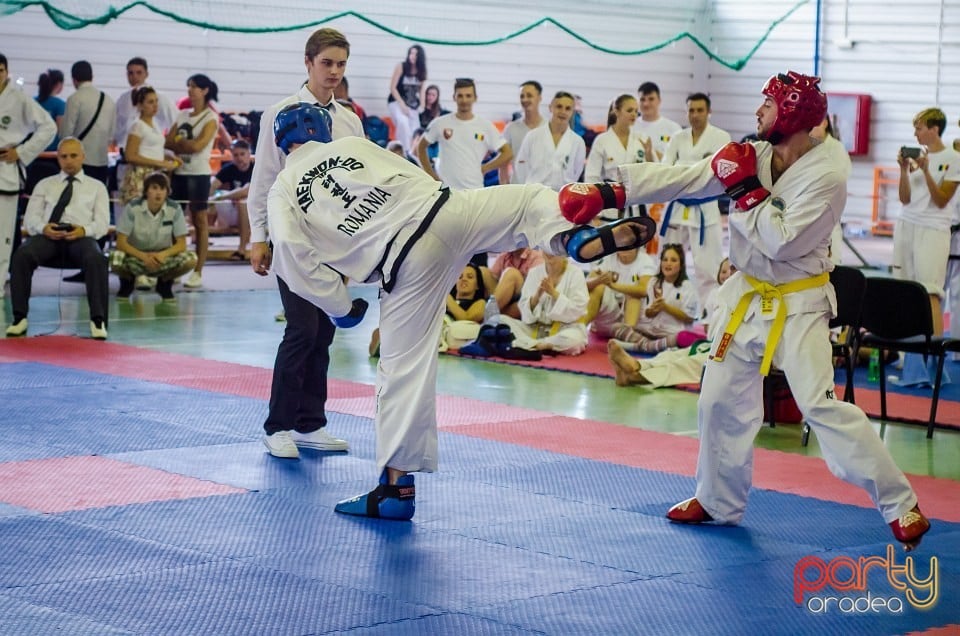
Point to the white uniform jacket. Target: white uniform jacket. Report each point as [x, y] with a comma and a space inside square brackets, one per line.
[785, 238]
[20, 115]
[270, 159]
[569, 307]
[540, 161]
[336, 209]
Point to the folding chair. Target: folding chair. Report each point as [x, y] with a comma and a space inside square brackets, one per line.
[850, 286]
[897, 317]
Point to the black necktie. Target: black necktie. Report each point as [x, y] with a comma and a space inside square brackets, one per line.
[63, 201]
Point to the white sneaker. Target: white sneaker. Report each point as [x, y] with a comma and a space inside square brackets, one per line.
[194, 281]
[145, 283]
[280, 445]
[17, 329]
[98, 333]
[319, 439]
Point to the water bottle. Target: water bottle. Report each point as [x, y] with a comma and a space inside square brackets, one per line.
[873, 369]
[491, 312]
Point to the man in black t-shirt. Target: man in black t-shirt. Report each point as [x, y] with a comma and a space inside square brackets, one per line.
[231, 184]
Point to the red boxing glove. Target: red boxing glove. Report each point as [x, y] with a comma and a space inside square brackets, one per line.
[580, 202]
[736, 167]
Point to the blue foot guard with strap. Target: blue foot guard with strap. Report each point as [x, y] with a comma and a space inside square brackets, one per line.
[578, 237]
[385, 501]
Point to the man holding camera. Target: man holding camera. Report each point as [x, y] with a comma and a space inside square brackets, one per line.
[66, 215]
[921, 236]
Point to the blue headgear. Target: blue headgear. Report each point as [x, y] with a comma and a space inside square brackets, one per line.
[300, 123]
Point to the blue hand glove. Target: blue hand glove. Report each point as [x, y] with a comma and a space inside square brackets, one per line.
[357, 312]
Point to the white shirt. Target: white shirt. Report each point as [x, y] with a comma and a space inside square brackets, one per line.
[336, 209]
[514, 134]
[151, 140]
[682, 296]
[628, 273]
[540, 161]
[88, 207]
[81, 107]
[568, 308]
[682, 151]
[608, 152]
[785, 238]
[660, 132]
[943, 166]
[463, 145]
[191, 127]
[19, 116]
[127, 114]
[271, 160]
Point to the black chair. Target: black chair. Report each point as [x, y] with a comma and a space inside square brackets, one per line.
[897, 317]
[850, 286]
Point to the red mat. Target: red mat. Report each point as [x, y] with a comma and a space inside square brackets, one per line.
[774, 470]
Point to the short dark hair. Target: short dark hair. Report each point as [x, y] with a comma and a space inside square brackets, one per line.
[648, 87]
[138, 61]
[3, 61]
[565, 95]
[242, 144]
[535, 84]
[464, 82]
[81, 71]
[158, 179]
[699, 97]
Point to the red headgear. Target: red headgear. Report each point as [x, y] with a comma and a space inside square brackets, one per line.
[801, 105]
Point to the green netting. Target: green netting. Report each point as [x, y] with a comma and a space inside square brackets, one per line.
[77, 15]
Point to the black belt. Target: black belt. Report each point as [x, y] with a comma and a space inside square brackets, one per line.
[389, 282]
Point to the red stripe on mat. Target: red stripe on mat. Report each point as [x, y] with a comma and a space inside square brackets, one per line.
[774, 470]
[651, 450]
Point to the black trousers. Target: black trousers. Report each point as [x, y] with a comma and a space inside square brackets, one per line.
[39, 250]
[299, 390]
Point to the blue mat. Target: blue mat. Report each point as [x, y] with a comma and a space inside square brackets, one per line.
[506, 540]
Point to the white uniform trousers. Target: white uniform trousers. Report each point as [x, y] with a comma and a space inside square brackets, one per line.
[8, 225]
[731, 413]
[673, 367]
[953, 287]
[404, 125]
[496, 219]
[706, 257]
[920, 254]
[570, 340]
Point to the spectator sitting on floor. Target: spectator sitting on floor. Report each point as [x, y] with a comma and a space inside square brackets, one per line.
[230, 186]
[506, 276]
[66, 215]
[552, 305]
[467, 299]
[152, 239]
[674, 366]
[617, 289]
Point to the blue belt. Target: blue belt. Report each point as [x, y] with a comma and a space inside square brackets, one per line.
[686, 203]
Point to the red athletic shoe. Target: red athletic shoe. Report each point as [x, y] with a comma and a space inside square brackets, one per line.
[910, 528]
[689, 511]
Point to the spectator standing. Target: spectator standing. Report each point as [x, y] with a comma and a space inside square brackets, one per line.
[192, 137]
[27, 131]
[531, 94]
[299, 391]
[407, 87]
[694, 224]
[553, 155]
[91, 117]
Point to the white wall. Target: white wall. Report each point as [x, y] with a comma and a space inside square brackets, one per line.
[904, 55]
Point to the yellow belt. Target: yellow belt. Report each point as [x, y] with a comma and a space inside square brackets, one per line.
[767, 293]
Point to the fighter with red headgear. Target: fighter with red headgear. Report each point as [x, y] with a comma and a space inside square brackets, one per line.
[790, 191]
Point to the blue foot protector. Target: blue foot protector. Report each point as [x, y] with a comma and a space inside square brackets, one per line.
[383, 502]
[578, 237]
